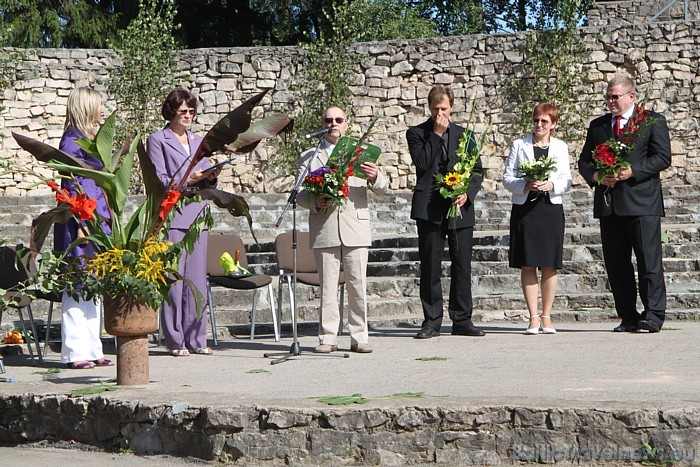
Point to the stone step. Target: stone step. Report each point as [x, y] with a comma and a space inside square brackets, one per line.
[403, 300]
[383, 312]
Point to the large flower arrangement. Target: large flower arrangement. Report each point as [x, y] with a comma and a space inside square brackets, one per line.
[456, 182]
[609, 157]
[132, 257]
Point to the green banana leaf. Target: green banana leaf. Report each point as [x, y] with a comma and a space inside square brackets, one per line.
[101, 147]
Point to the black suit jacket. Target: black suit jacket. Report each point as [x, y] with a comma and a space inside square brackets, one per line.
[641, 194]
[426, 151]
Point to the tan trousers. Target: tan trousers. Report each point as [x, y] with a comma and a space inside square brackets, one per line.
[354, 261]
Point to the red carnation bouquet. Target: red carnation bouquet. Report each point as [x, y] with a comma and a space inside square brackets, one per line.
[609, 157]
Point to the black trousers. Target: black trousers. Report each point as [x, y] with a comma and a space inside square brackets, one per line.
[431, 245]
[642, 234]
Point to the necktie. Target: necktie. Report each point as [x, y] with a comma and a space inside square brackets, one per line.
[444, 161]
[617, 129]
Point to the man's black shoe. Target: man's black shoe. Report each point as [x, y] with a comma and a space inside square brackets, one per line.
[467, 328]
[427, 332]
[649, 326]
[626, 328]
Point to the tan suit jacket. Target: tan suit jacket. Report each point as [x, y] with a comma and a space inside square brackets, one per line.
[346, 225]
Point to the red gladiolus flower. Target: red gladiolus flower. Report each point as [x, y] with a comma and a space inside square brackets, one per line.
[345, 190]
[168, 203]
[83, 207]
[62, 195]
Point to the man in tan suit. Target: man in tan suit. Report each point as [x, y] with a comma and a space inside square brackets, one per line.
[341, 234]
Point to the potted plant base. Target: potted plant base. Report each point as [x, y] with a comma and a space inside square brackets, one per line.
[130, 320]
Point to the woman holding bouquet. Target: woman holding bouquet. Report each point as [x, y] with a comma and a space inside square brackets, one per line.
[81, 346]
[537, 174]
[171, 149]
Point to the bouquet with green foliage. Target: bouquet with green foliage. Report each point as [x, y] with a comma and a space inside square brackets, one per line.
[537, 171]
[456, 182]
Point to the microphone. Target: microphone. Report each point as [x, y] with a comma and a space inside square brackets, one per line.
[314, 134]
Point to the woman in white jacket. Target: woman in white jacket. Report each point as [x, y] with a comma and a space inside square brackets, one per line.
[537, 215]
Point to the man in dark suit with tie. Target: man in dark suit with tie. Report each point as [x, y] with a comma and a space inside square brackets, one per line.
[433, 146]
[630, 206]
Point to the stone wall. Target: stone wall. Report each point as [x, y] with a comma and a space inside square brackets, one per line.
[445, 434]
[391, 79]
[635, 12]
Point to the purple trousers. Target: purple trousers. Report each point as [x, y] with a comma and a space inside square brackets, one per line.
[179, 320]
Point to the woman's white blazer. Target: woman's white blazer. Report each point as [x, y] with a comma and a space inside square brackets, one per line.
[522, 151]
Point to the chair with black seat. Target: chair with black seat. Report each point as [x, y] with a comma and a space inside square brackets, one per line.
[51, 297]
[307, 271]
[230, 243]
[13, 272]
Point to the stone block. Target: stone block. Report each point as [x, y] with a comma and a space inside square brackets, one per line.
[226, 84]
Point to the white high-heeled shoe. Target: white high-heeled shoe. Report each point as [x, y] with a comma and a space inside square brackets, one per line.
[533, 331]
[547, 330]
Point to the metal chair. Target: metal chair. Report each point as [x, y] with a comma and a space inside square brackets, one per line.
[13, 272]
[307, 271]
[218, 244]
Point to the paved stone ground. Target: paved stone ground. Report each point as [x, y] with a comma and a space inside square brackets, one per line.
[583, 366]
[583, 363]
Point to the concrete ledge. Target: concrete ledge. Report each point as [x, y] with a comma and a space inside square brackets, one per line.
[437, 431]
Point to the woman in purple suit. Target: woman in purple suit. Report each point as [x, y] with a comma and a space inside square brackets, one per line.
[171, 150]
[81, 346]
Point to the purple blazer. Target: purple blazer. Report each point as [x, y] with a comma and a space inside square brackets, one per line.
[171, 161]
[65, 234]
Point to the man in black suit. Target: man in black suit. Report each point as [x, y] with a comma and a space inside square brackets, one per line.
[433, 146]
[630, 207]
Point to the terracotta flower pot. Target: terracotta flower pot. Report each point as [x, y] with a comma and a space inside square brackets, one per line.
[130, 320]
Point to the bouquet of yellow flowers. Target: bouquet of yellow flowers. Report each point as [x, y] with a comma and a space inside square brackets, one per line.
[456, 182]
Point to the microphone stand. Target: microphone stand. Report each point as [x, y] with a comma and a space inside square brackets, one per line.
[295, 349]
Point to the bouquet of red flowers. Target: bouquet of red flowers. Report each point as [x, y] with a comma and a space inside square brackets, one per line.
[609, 157]
[330, 182]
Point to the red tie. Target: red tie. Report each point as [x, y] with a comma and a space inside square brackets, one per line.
[616, 128]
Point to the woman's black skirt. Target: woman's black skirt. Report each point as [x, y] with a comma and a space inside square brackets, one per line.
[536, 233]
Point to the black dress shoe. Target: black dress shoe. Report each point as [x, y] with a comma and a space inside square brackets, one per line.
[466, 328]
[626, 328]
[427, 332]
[649, 326]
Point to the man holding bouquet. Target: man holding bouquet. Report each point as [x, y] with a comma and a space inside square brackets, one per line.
[339, 233]
[433, 146]
[628, 201]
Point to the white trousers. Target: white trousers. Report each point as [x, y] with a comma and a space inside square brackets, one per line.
[80, 330]
[354, 261]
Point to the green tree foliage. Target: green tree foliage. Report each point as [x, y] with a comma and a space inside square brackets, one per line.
[226, 23]
[551, 70]
[325, 78]
[145, 76]
[50, 23]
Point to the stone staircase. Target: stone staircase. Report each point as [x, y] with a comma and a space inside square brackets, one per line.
[582, 294]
